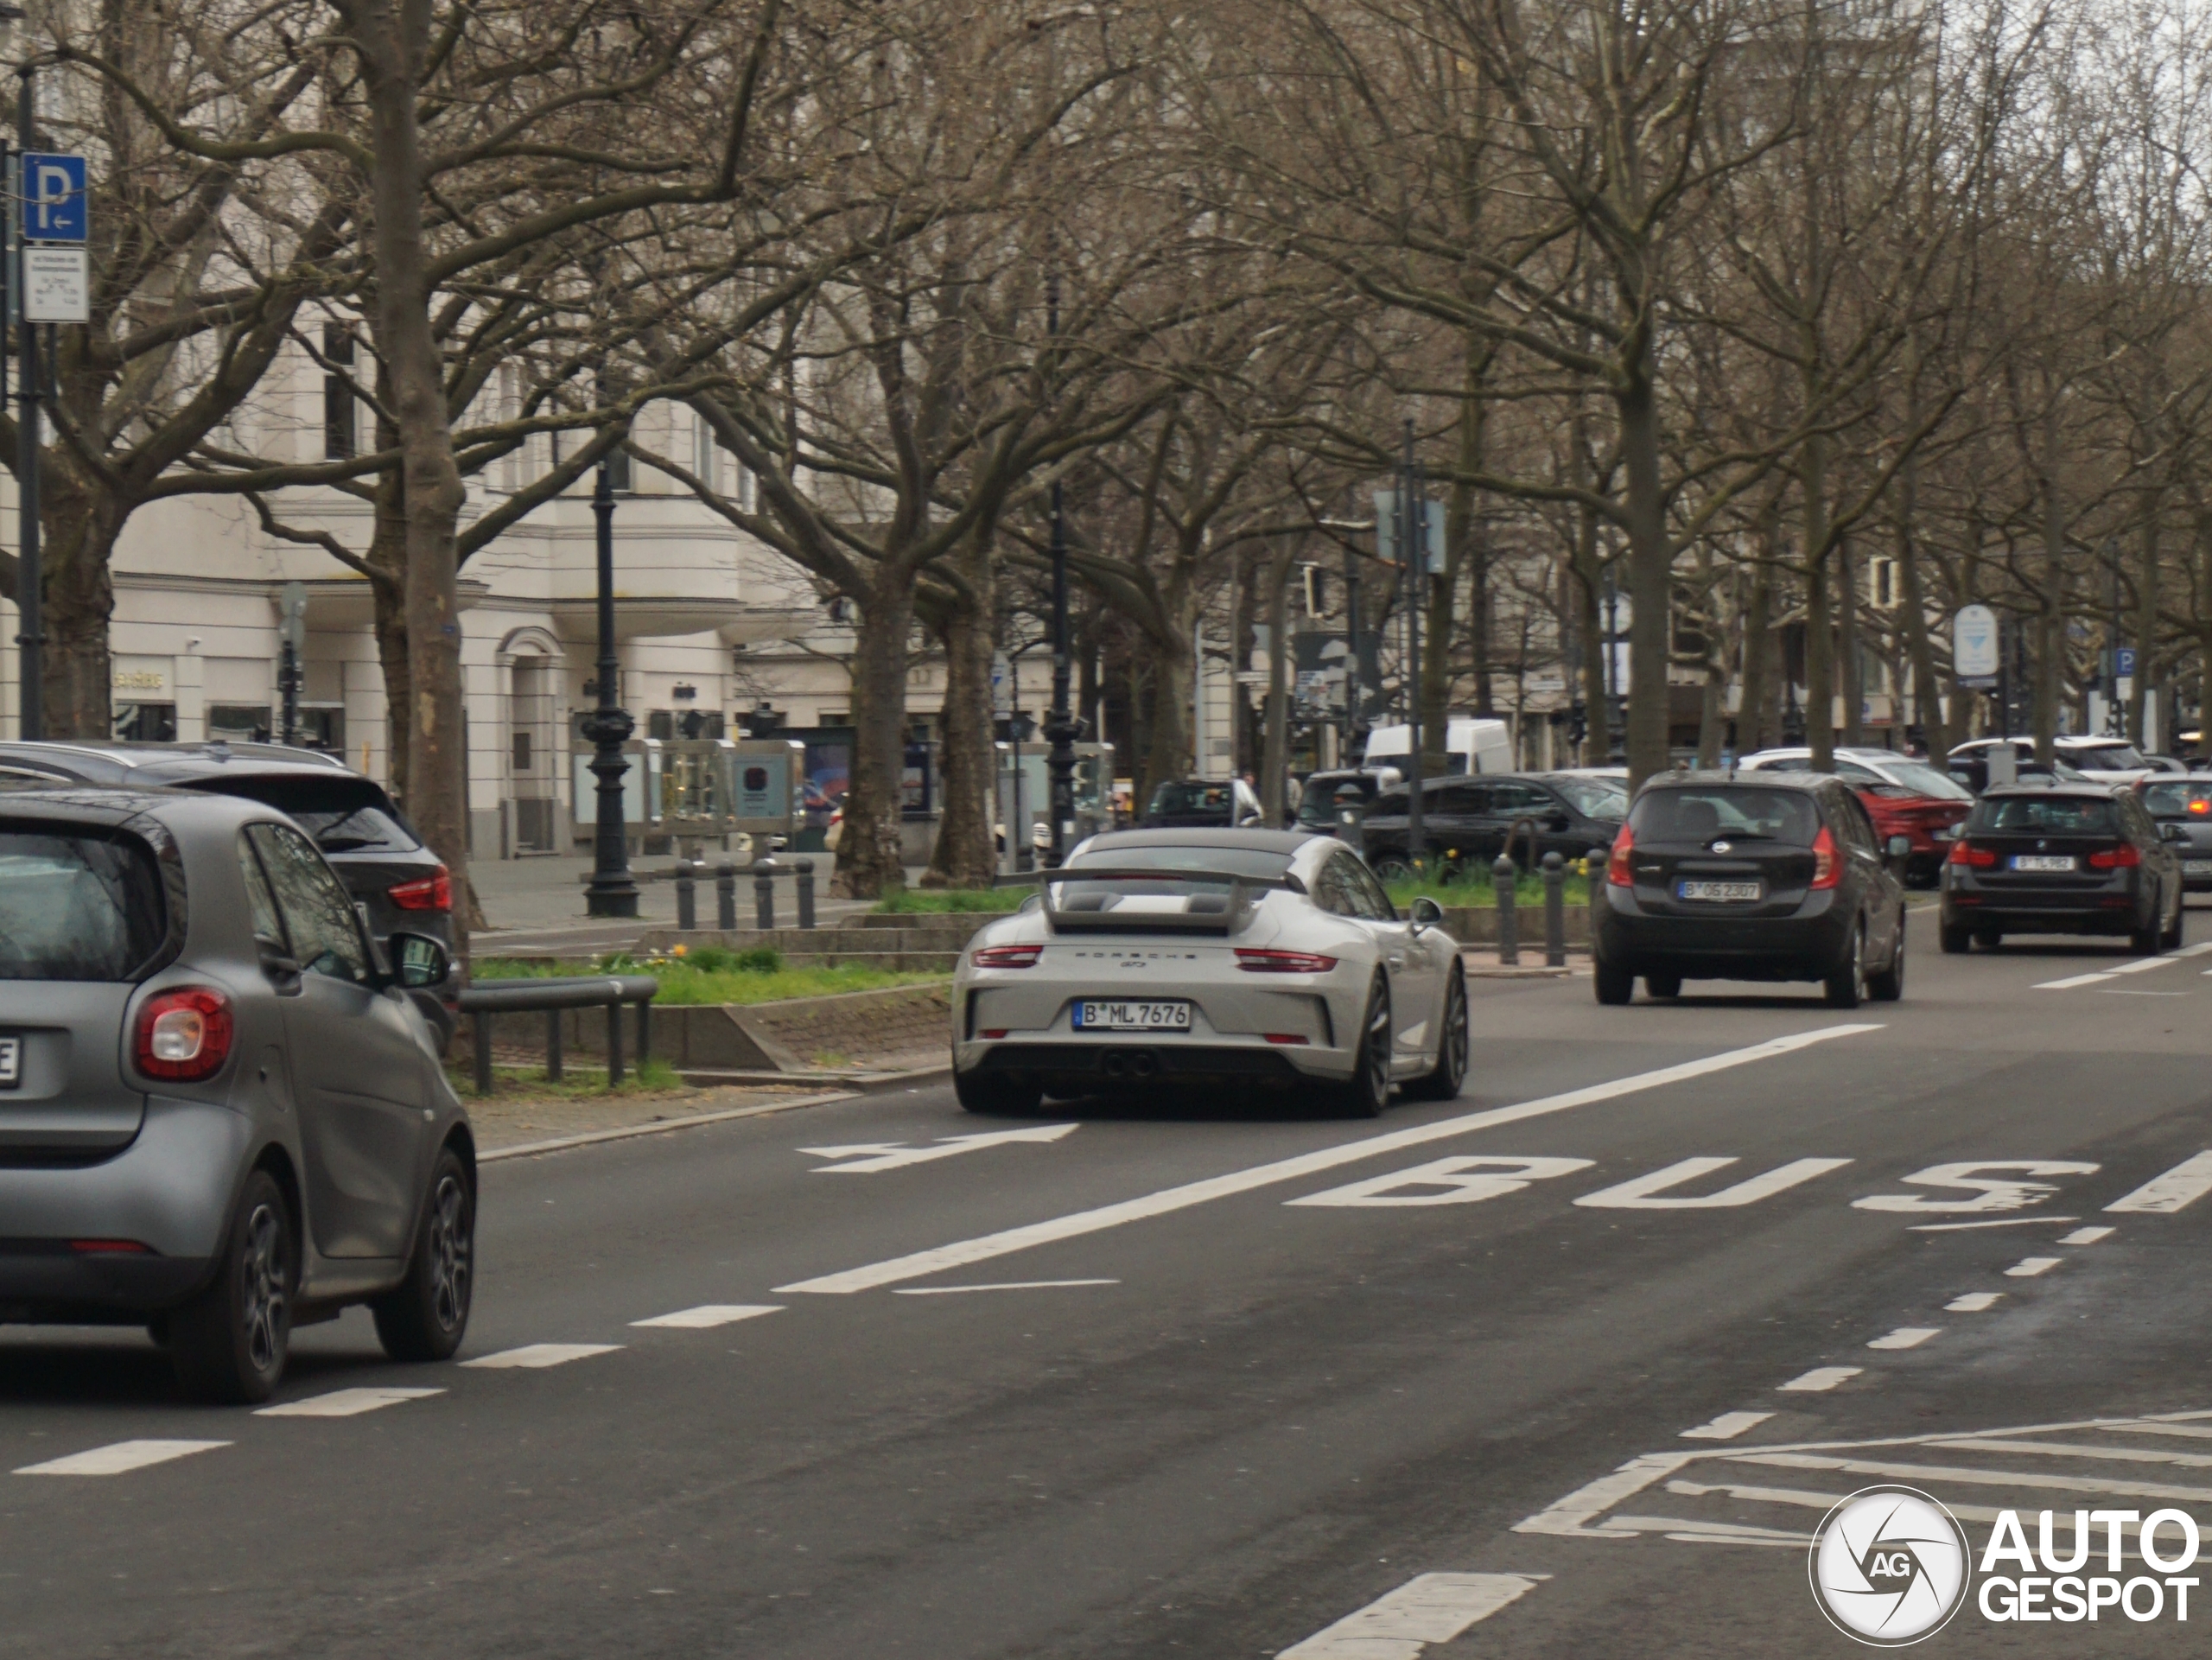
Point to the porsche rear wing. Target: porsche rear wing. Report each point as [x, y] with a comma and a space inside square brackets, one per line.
[1203, 914]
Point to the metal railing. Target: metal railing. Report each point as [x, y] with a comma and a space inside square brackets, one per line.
[481, 1001]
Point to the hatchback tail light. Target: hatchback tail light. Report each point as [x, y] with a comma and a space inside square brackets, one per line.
[1263, 961]
[2125, 856]
[431, 892]
[1006, 957]
[1966, 853]
[1827, 869]
[183, 1035]
[1617, 871]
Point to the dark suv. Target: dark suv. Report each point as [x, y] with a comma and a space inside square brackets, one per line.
[2069, 859]
[1466, 821]
[1751, 876]
[355, 825]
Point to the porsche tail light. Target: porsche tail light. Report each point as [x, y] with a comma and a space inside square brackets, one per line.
[1006, 957]
[183, 1035]
[1827, 869]
[1267, 961]
[1966, 853]
[431, 892]
[1617, 870]
[2125, 856]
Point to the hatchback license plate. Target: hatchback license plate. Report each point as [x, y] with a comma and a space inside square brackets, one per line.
[2196, 867]
[2042, 861]
[1725, 893]
[11, 1061]
[1132, 1017]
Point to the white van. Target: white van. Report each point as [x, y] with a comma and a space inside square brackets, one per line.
[1469, 745]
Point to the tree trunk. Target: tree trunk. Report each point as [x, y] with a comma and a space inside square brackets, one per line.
[2147, 624]
[1275, 749]
[1169, 754]
[869, 864]
[1650, 560]
[1850, 677]
[1754, 728]
[1819, 639]
[390, 38]
[1912, 597]
[79, 522]
[965, 855]
[2049, 630]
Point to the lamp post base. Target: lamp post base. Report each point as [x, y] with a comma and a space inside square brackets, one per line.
[621, 901]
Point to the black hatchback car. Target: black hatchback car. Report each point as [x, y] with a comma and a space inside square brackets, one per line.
[2186, 803]
[1466, 821]
[383, 864]
[2070, 858]
[1751, 876]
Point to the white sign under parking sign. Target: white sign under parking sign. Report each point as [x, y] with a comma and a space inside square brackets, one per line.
[56, 286]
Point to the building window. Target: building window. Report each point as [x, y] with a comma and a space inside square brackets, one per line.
[706, 452]
[340, 440]
[617, 471]
[521, 751]
[146, 723]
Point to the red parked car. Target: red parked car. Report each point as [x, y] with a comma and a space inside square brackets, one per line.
[1904, 798]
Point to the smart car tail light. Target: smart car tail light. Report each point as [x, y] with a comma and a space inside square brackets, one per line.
[1965, 853]
[183, 1035]
[1266, 961]
[2125, 856]
[1006, 957]
[1617, 870]
[431, 892]
[1827, 869]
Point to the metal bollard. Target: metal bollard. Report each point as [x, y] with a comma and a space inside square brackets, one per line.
[1555, 911]
[1506, 875]
[764, 893]
[613, 1043]
[645, 1034]
[725, 896]
[553, 1044]
[687, 898]
[803, 881]
[482, 1019]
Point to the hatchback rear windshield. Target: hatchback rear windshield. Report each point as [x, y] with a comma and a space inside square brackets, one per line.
[1737, 811]
[2110, 757]
[1192, 797]
[2178, 799]
[77, 907]
[2063, 814]
[361, 830]
[1593, 797]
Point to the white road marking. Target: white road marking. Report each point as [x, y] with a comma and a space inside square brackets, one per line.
[1007, 1285]
[1911, 1473]
[1429, 1608]
[1906, 1336]
[921, 1264]
[1726, 1427]
[708, 1315]
[1990, 1193]
[2008, 1222]
[1573, 1514]
[1638, 1193]
[2087, 1236]
[119, 1459]
[2028, 1267]
[1448, 1181]
[865, 1158]
[2136, 967]
[2183, 1186]
[2076, 1450]
[1820, 1380]
[537, 1356]
[346, 1403]
[1691, 1531]
[1974, 1302]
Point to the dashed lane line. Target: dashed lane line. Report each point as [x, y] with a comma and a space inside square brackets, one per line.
[1004, 1285]
[2007, 1222]
[2029, 1268]
[922, 1264]
[1820, 1380]
[119, 1459]
[1974, 1302]
[1428, 1608]
[2087, 1236]
[346, 1403]
[1726, 1427]
[1906, 1336]
[2136, 967]
[707, 1316]
[2163, 1195]
[536, 1357]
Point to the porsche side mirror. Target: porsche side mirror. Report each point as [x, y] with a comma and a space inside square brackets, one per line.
[1425, 912]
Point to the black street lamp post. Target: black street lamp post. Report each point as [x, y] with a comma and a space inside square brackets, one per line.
[1062, 729]
[612, 893]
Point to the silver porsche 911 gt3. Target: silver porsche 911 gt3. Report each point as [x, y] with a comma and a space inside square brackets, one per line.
[1207, 957]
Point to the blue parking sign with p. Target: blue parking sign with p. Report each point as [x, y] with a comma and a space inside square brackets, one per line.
[52, 203]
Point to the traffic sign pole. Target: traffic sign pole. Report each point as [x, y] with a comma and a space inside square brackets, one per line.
[29, 572]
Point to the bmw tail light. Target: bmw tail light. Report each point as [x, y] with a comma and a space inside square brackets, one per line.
[1006, 957]
[1265, 962]
[1827, 869]
[2125, 856]
[431, 892]
[1965, 853]
[183, 1035]
[1617, 870]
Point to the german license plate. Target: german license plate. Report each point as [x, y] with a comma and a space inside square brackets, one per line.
[1119, 1016]
[11, 1061]
[2042, 861]
[1725, 892]
[2196, 867]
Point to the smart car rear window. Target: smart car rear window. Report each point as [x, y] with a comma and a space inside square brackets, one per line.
[2063, 815]
[77, 906]
[1749, 814]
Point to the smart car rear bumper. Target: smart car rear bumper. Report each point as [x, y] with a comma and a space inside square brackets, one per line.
[1806, 945]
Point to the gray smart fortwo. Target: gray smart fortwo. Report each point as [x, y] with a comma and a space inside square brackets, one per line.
[222, 1113]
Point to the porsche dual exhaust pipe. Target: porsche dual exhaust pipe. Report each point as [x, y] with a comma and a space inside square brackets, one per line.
[1140, 1065]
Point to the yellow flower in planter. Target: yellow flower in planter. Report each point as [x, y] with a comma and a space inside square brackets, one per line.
[679, 951]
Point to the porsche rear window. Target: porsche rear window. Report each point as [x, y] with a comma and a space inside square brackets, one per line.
[1259, 862]
[77, 907]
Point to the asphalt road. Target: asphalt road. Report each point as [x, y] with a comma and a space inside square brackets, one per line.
[1196, 1378]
